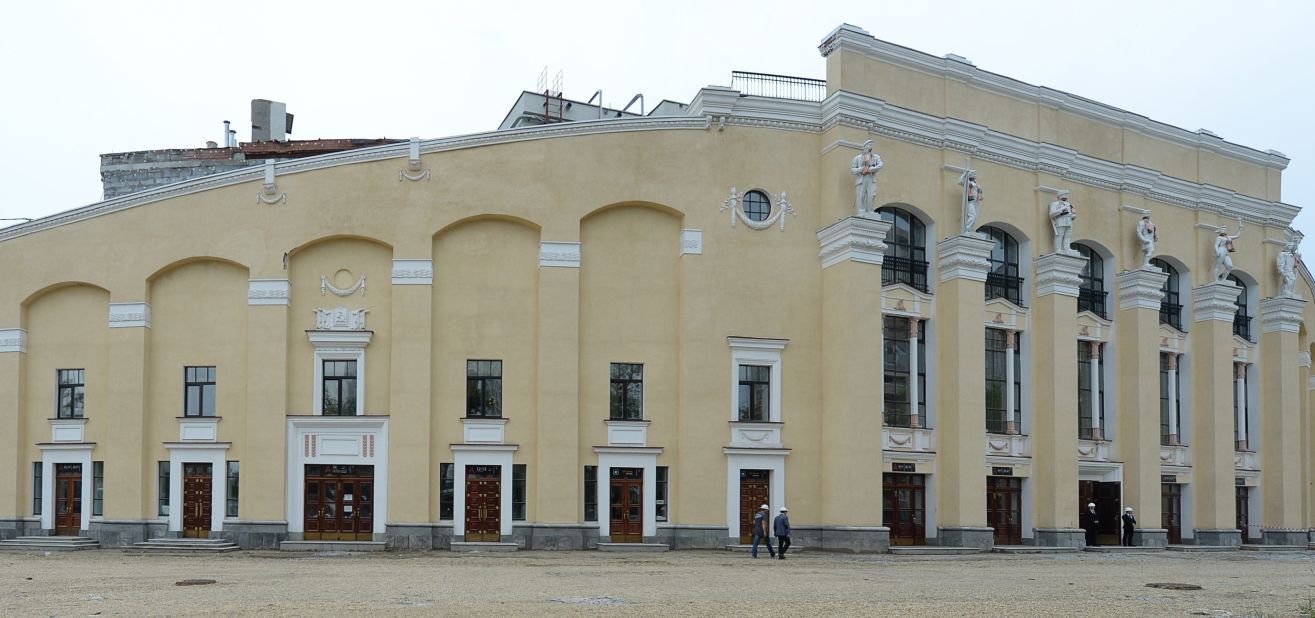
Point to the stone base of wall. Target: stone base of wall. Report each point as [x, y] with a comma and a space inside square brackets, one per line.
[124, 533]
[15, 527]
[694, 536]
[1060, 537]
[857, 539]
[1218, 536]
[556, 536]
[254, 534]
[410, 536]
[1284, 536]
[966, 536]
[1150, 537]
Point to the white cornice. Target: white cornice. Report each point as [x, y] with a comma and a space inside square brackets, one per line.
[1215, 301]
[1281, 314]
[1140, 289]
[964, 257]
[853, 239]
[1058, 273]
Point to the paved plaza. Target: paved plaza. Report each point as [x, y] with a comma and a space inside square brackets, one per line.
[692, 583]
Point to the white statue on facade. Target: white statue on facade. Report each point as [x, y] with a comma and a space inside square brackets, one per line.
[1147, 234]
[1287, 263]
[1062, 214]
[1222, 247]
[972, 199]
[865, 168]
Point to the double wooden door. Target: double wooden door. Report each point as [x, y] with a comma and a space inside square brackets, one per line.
[197, 500]
[1108, 511]
[68, 499]
[339, 503]
[483, 503]
[1171, 511]
[627, 505]
[904, 507]
[1004, 509]
[755, 491]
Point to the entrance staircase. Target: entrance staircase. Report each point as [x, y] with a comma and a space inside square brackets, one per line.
[186, 546]
[49, 543]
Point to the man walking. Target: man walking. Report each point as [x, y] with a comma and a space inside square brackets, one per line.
[781, 528]
[1129, 524]
[760, 532]
[1089, 522]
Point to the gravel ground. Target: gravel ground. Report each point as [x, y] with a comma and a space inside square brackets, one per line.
[702, 583]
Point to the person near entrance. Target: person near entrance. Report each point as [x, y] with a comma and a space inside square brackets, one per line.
[781, 528]
[1089, 522]
[1129, 524]
[760, 532]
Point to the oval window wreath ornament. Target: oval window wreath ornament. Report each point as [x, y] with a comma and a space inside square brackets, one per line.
[735, 204]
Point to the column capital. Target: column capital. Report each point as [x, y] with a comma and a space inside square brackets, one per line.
[1215, 301]
[13, 340]
[853, 239]
[1059, 273]
[1141, 289]
[1173, 361]
[559, 254]
[130, 315]
[964, 257]
[1281, 314]
[268, 291]
[413, 272]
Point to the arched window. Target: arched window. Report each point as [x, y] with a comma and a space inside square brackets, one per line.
[757, 206]
[1171, 307]
[906, 249]
[1003, 280]
[1241, 319]
[1091, 292]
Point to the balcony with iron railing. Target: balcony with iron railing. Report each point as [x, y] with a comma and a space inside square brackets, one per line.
[1004, 286]
[1242, 326]
[904, 270]
[778, 86]
[1092, 300]
[1171, 314]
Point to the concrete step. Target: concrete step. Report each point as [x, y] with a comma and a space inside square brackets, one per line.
[187, 546]
[1311, 546]
[483, 546]
[748, 548]
[934, 550]
[635, 547]
[1201, 548]
[1251, 547]
[332, 546]
[1033, 549]
[1121, 549]
[49, 543]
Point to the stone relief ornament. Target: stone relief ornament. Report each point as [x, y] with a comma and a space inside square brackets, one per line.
[1287, 262]
[328, 286]
[1222, 246]
[1062, 215]
[864, 168]
[733, 204]
[1147, 234]
[341, 318]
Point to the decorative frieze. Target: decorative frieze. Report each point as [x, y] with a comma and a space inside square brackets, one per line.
[1059, 273]
[964, 257]
[340, 318]
[413, 272]
[559, 254]
[268, 292]
[130, 315]
[1215, 301]
[13, 340]
[691, 242]
[853, 239]
[1281, 314]
[1140, 289]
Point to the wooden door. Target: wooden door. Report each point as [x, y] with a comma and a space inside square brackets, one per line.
[1243, 511]
[1004, 509]
[627, 505]
[755, 491]
[903, 507]
[484, 503]
[339, 503]
[68, 499]
[196, 500]
[1171, 511]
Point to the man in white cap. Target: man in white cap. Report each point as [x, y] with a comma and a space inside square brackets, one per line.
[781, 528]
[760, 532]
[1129, 524]
[1089, 521]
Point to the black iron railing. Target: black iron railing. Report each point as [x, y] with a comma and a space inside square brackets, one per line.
[1171, 314]
[1242, 326]
[1092, 300]
[904, 270]
[778, 86]
[1007, 287]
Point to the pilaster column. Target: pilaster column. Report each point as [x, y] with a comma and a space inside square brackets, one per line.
[1280, 421]
[14, 472]
[127, 380]
[1011, 398]
[1213, 494]
[412, 472]
[1240, 405]
[851, 254]
[267, 406]
[558, 431]
[1173, 399]
[1055, 425]
[914, 421]
[961, 398]
[1137, 329]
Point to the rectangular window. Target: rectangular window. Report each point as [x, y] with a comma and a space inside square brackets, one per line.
[446, 491]
[339, 388]
[1244, 416]
[591, 493]
[484, 388]
[97, 488]
[72, 386]
[895, 366]
[660, 505]
[1166, 397]
[1085, 399]
[198, 391]
[36, 487]
[627, 391]
[518, 492]
[755, 392]
[162, 489]
[997, 381]
[231, 485]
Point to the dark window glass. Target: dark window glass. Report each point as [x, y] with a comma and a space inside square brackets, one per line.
[755, 392]
[1091, 291]
[97, 488]
[446, 491]
[199, 391]
[895, 366]
[518, 492]
[660, 505]
[484, 388]
[1166, 397]
[906, 249]
[1242, 318]
[36, 487]
[997, 381]
[1003, 280]
[627, 391]
[591, 493]
[162, 488]
[231, 485]
[1241, 389]
[1171, 308]
[1085, 412]
[72, 385]
[756, 206]
[339, 388]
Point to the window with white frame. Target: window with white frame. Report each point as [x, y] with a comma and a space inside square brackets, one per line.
[756, 379]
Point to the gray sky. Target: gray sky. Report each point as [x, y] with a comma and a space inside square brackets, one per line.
[85, 78]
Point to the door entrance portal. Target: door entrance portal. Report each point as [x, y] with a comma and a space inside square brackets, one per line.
[755, 491]
[484, 504]
[196, 500]
[1004, 509]
[903, 507]
[339, 503]
[627, 505]
[1171, 511]
[68, 499]
[1106, 495]
[1244, 512]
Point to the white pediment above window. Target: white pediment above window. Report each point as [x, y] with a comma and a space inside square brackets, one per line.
[1000, 313]
[902, 299]
[1092, 327]
[1171, 339]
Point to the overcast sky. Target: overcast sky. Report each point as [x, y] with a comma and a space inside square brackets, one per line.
[84, 78]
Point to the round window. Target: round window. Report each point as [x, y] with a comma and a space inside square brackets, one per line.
[756, 206]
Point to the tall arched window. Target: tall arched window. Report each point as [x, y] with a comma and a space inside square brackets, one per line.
[1003, 280]
[1171, 307]
[906, 249]
[1091, 292]
[1241, 319]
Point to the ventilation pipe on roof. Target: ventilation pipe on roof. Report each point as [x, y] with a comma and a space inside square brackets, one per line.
[227, 132]
[638, 97]
[597, 95]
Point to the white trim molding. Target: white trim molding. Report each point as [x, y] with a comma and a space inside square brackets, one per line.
[13, 340]
[691, 242]
[501, 455]
[213, 453]
[413, 272]
[738, 459]
[1215, 301]
[1281, 314]
[627, 433]
[338, 345]
[853, 239]
[268, 291]
[964, 257]
[754, 351]
[68, 430]
[1140, 289]
[336, 440]
[1058, 273]
[51, 454]
[559, 254]
[475, 430]
[130, 315]
[628, 457]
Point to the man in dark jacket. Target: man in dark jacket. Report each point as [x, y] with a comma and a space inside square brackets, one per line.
[781, 528]
[1089, 521]
[1129, 524]
[760, 532]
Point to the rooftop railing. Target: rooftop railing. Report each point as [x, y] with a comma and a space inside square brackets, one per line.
[778, 86]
